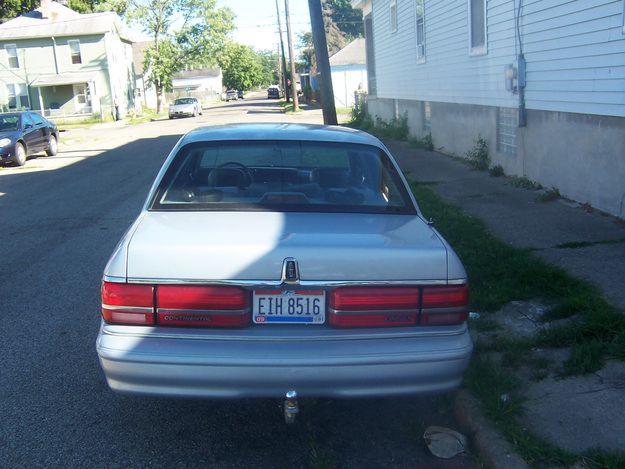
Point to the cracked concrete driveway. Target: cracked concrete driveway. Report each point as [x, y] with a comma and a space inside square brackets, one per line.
[60, 218]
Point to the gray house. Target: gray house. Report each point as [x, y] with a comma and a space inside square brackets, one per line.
[66, 64]
[542, 81]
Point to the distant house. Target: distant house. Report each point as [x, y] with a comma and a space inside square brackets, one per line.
[206, 84]
[145, 92]
[349, 72]
[66, 64]
[542, 81]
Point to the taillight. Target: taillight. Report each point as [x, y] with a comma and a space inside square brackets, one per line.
[374, 307]
[194, 306]
[124, 303]
[445, 305]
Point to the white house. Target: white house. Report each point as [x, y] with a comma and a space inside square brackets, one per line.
[543, 81]
[204, 84]
[349, 72]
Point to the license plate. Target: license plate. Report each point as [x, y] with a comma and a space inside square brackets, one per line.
[289, 307]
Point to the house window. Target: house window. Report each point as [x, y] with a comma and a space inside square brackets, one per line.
[420, 30]
[477, 26]
[18, 96]
[393, 15]
[13, 60]
[82, 98]
[74, 47]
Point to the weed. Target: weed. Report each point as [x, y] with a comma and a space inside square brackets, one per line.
[424, 143]
[496, 171]
[478, 155]
[395, 129]
[550, 195]
[586, 357]
[523, 182]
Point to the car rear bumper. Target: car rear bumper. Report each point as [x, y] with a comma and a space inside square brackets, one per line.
[218, 364]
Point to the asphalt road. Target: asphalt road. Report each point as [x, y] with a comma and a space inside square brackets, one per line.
[60, 219]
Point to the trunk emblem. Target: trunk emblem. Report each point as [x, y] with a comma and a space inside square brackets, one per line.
[290, 271]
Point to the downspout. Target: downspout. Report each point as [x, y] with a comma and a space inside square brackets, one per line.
[521, 70]
[56, 63]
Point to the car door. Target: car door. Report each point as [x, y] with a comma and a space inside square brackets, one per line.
[31, 134]
[43, 130]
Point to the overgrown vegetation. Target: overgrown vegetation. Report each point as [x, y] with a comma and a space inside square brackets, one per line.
[424, 143]
[395, 129]
[496, 171]
[550, 195]
[500, 273]
[478, 155]
[523, 182]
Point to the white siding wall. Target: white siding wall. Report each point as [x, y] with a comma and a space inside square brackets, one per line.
[575, 52]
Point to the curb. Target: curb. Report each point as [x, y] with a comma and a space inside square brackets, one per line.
[492, 447]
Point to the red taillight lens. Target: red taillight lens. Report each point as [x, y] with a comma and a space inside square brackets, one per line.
[445, 305]
[374, 298]
[374, 307]
[124, 303]
[194, 306]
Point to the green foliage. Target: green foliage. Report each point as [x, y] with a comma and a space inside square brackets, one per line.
[396, 128]
[550, 195]
[347, 19]
[496, 171]
[425, 143]
[524, 182]
[186, 34]
[478, 155]
[244, 68]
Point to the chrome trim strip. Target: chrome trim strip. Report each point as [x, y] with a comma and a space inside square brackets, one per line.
[340, 312]
[234, 312]
[112, 279]
[129, 309]
[302, 283]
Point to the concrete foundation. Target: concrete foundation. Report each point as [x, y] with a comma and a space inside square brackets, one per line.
[582, 155]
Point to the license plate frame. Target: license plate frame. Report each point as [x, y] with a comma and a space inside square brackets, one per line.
[265, 310]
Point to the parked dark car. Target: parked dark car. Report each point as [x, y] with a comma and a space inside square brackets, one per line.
[23, 134]
[240, 94]
[274, 92]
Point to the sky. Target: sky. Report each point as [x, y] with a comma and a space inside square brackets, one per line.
[256, 21]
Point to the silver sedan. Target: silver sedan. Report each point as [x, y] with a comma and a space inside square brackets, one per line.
[272, 259]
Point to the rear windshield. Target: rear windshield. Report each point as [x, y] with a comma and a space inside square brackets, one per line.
[282, 176]
[184, 101]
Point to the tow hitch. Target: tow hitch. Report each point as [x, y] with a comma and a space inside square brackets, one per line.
[291, 408]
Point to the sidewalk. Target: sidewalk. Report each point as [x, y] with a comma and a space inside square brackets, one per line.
[516, 216]
[579, 412]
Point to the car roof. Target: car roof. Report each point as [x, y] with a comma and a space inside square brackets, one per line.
[278, 131]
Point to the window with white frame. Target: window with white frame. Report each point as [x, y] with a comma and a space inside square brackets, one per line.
[13, 60]
[393, 15]
[18, 96]
[74, 48]
[477, 26]
[420, 15]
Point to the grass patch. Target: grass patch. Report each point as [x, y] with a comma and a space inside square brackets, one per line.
[523, 182]
[146, 116]
[550, 195]
[500, 273]
[395, 129]
[424, 143]
[287, 108]
[77, 124]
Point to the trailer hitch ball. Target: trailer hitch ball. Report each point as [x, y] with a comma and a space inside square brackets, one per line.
[291, 408]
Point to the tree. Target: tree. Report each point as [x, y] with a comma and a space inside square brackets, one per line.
[10, 9]
[346, 18]
[185, 34]
[244, 68]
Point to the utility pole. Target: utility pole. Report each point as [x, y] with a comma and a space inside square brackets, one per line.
[283, 56]
[289, 39]
[323, 62]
